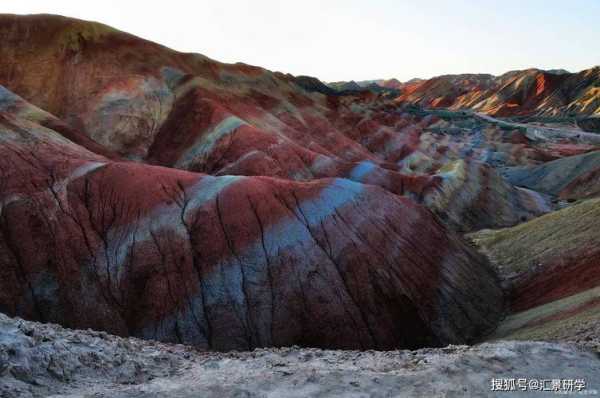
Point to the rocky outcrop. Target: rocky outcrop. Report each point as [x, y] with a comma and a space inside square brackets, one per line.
[38, 360]
[227, 262]
[312, 84]
[591, 124]
[552, 268]
[156, 194]
[584, 186]
[557, 251]
[127, 98]
[526, 92]
[146, 193]
[565, 177]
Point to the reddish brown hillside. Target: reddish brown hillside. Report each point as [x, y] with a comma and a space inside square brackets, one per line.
[528, 92]
[169, 196]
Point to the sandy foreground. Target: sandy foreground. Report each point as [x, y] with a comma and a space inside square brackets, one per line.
[47, 360]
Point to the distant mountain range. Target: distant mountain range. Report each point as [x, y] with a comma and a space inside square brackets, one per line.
[554, 92]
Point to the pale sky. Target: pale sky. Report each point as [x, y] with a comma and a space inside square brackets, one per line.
[358, 39]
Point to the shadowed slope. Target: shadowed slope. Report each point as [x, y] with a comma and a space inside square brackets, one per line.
[552, 263]
[226, 262]
[562, 175]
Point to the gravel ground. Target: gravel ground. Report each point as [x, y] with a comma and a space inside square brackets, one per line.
[38, 360]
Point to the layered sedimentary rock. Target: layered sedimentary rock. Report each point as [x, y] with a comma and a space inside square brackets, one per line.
[140, 101]
[226, 262]
[552, 265]
[527, 92]
[569, 177]
[584, 186]
[169, 196]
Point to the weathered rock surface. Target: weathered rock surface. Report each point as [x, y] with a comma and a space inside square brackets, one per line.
[572, 177]
[168, 196]
[552, 267]
[39, 360]
[520, 92]
[227, 262]
[140, 101]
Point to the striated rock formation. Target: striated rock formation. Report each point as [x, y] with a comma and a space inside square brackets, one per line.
[227, 262]
[552, 263]
[527, 92]
[584, 186]
[168, 196]
[569, 177]
[146, 193]
[139, 101]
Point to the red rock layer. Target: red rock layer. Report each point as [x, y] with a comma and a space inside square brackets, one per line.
[227, 262]
[124, 97]
[527, 92]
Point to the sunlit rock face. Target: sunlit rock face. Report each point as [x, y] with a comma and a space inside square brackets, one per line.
[516, 93]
